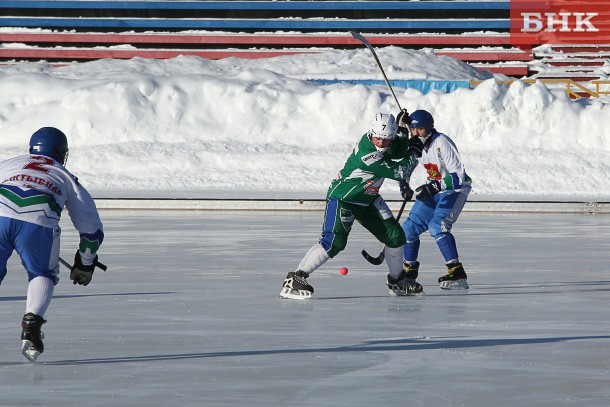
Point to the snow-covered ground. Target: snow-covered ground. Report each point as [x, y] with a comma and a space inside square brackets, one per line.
[190, 127]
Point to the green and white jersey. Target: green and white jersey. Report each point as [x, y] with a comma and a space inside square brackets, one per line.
[366, 169]
[36, 189]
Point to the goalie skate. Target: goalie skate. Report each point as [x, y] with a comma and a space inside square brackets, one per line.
[295, 286]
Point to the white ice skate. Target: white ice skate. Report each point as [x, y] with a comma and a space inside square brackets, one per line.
[295, 286]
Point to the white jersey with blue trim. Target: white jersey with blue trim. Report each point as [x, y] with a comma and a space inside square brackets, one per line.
[35, 188]
[443, 163]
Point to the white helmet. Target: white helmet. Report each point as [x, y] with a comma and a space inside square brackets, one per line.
[383, 126]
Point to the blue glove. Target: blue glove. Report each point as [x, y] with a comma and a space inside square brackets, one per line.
[405, 190]
[427, 191]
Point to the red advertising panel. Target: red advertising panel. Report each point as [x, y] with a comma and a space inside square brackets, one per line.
[559, 22]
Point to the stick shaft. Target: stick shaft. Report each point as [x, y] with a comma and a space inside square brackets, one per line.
[97, 264]
[359, 37]
[65, 263]
[356, 35]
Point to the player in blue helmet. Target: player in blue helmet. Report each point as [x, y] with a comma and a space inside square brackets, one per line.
[438, 202]
[50, 142]
[421, 118]
[34, 190]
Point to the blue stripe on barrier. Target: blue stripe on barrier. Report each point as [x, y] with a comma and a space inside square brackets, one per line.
[424, 86]
[271, 24]
[261, 5]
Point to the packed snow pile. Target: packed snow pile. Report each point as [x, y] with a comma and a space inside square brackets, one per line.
[195, 127]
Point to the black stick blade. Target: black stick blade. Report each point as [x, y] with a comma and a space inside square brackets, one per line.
[373, 260]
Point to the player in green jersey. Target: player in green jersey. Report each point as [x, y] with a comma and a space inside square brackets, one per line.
[353, 195]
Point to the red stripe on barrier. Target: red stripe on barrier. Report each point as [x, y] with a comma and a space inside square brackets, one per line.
[128, 53]
[487, 55]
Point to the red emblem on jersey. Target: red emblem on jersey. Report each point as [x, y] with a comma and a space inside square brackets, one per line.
[433, 172]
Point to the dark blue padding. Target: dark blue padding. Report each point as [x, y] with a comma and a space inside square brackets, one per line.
[263, 24]
[261, 5]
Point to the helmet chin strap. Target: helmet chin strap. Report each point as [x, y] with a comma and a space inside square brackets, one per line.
[426, 140]
[426, 137]
[380, 149]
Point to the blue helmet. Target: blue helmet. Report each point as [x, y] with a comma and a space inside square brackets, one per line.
[421, 118]
[51, 142]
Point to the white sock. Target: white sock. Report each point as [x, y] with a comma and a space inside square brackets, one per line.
[40, 292]
[315, 257]
[393, 258]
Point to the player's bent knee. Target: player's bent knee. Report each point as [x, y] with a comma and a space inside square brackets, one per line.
[396, 238]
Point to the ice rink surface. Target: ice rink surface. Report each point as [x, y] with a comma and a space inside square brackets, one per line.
[188, 314]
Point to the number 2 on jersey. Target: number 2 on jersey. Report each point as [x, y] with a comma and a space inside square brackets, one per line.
[39, 164]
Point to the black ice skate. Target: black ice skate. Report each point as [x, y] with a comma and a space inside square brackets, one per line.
[296, 287]
[31, 337]
[455, 279]
[405, 284]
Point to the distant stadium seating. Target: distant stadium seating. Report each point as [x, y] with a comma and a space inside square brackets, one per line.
[476, 32]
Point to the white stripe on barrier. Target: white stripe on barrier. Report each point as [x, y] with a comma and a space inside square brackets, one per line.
[318, 205]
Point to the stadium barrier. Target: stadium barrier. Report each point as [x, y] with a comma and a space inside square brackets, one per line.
[575, 90]
[319, 205]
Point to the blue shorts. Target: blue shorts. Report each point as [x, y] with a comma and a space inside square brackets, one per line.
[37, 246]
[436, 214]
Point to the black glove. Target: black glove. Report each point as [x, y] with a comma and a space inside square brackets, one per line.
[416, 146]
[428, 190]
[81, 274]
[403, 120]
[405, 190]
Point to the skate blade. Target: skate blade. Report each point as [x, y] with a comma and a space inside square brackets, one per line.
[291, 294]
[30, 353]
[405, 294]
[454, 285]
